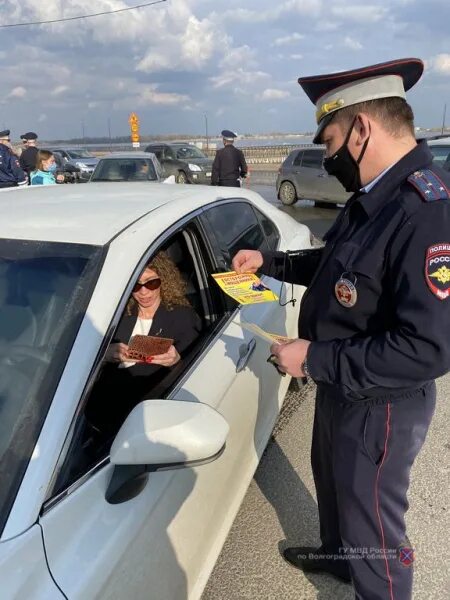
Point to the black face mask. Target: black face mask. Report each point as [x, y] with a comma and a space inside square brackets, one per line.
[344, 167]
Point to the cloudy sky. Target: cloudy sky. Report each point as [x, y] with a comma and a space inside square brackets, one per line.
[237, 61]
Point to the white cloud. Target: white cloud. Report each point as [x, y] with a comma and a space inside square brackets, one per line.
[288, 39]
[238, 76]
[360, 13]
[309, 8]
[17, 92]
[42, 117]
[296, 56]
[273, 94]
[440, 64]
[59, 89]
[243, 55]
[352, 44]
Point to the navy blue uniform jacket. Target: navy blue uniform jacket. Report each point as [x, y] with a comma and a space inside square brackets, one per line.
[10, 170]
[228, 165]
[397, 335]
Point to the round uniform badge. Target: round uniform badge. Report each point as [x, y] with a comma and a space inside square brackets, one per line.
[346, 293]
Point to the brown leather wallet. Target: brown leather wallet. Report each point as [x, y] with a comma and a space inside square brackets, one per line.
[143, 346]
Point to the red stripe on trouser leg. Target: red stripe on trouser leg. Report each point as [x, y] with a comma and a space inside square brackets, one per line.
[377, 503]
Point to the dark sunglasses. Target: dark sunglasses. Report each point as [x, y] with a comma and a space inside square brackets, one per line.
[151, 284]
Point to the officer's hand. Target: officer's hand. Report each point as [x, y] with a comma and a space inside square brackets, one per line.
[247, 261]
[291, 356]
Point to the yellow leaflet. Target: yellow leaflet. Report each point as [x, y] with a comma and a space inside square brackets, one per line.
[245, 288]
[265, 335]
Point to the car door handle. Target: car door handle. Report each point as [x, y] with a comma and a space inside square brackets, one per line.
[243, 360]
[322, 175]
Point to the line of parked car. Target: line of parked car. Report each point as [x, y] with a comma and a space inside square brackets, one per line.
[302, 175]
[184, 162]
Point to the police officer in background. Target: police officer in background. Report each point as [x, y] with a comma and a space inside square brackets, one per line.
[374, 324]
[229, 163]
[29, 154]
[11, 173]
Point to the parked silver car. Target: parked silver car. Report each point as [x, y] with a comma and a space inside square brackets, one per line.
[302, 176]
[81, 158]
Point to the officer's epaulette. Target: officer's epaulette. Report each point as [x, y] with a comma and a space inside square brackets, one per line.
[429, 185]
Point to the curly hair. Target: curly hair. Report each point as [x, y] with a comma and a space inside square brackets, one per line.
[173, 286]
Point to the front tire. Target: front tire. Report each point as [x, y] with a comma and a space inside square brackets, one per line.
[287, 193]
[181, 177]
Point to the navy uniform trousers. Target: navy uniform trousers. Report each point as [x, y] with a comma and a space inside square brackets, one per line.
[362, 454]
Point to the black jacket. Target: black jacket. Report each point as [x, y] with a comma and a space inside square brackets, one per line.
[396, 336]
[28, 159]
[118, 391]
[229, 164]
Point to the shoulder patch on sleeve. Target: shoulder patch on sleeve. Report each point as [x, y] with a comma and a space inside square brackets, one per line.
[429, 185]
[437, 269]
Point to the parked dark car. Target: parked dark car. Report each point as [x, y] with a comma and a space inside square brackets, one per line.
[302, 176]
[185, 161]
[440, 149]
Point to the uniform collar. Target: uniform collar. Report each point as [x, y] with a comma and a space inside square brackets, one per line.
[379, 191]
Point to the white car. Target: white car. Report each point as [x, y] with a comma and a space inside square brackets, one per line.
[144, 518]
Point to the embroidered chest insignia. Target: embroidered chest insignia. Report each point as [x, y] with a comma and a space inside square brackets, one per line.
[346, 293]
[437, 270]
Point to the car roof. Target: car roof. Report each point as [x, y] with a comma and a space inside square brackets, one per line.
[130, 154]
[440, 142]
[94, 213]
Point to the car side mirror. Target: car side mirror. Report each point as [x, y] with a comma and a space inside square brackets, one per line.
[160, 435]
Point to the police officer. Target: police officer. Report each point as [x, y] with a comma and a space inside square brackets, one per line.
[29, 154]
[229, 163]
[374, 324]
[11, 173]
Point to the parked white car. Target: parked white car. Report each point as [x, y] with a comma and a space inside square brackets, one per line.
[144, 518]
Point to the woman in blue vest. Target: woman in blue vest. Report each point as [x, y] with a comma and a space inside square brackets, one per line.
[44, 174]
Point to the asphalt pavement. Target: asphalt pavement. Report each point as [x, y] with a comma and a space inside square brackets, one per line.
[280, 507]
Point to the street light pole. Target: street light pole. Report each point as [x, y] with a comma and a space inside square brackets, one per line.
[443, 119]
[109, 133]
[206, 131]
[82, 130]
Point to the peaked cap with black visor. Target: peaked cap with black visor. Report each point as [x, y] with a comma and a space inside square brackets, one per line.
[335, 91]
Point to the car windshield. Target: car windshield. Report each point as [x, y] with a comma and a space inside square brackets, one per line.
[44, 291]
[80, 153]
[125, 169]
[185, 152]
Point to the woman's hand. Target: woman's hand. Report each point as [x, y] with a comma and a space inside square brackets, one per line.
[60, 178]
[170, 358]
[117, 353]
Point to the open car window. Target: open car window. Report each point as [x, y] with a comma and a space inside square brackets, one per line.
[92, 438]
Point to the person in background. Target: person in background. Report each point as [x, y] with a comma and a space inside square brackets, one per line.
[11, 173]
[29, 153]
[44, 173]
[229, 164]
